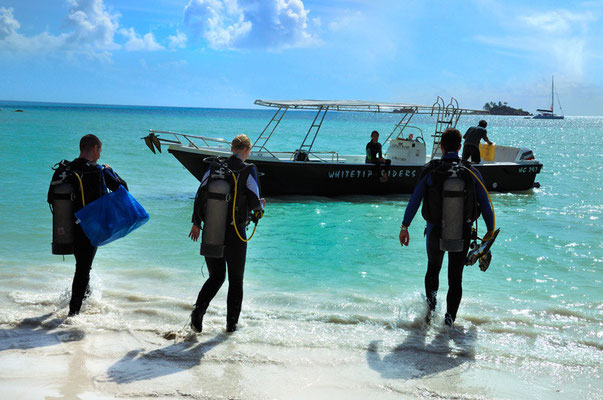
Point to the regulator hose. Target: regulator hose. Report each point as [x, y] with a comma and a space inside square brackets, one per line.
[234, 221]
[489, 199]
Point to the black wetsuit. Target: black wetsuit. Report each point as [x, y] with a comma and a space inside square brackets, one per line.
[373, 154]
[471, 146]
[435, 256]
[248, 198]
[83, 250]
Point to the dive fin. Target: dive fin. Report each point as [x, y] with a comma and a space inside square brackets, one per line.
[482, 253]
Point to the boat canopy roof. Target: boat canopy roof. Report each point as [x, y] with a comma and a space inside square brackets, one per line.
[358, 106]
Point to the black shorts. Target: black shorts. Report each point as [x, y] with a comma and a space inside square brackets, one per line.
[470, 150]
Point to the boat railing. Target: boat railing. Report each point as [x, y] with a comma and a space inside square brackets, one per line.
[334, 155]
[207, 141]
[416, 137]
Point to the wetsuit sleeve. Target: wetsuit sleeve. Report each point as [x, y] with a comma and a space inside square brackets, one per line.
[253, 190]
[200, 199]
[485, 136]
[368, 152]
[484, 203]
[466, 133]
[380, 153]
[415, 200]
[113, 180]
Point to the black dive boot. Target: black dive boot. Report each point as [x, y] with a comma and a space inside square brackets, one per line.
[448, 320]
[231, 325]
[197, 318]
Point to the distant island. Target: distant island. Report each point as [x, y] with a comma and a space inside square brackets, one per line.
[503, 109]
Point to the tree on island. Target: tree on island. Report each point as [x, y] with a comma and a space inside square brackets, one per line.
[502, 108]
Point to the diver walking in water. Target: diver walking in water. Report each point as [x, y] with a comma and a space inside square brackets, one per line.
[452, 200]
[228, 193]
[83, 177]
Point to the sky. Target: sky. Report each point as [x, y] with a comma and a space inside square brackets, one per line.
[227, 53]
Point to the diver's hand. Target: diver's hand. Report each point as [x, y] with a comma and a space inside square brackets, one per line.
[263, 202]
[107, 166]
[488, 236]
[404, 237]
[194, 233]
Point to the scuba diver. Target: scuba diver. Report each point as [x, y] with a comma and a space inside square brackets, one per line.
[453, 196]
[228, 194]
[75, 184]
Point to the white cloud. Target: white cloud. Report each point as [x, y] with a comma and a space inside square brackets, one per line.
[137, 43]
[8, 23]
[559, 38]
[239, 24]
[93, 25]
[177, 41]
[349, 21]
[91, 30]
[557, 21]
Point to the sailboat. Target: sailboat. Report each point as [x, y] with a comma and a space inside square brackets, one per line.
[549, 114]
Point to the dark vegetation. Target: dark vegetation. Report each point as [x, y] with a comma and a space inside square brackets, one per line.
[503, 109]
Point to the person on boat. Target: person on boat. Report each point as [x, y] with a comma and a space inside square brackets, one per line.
[472, 138]
[374, 155]
[91, 175]
[429, 190]
[248, 200]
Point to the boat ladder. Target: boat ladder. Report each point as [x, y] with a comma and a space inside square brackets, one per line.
[268, 131]
[447, 117]
[322, 111]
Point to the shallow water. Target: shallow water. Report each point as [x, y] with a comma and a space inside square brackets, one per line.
[322, 273]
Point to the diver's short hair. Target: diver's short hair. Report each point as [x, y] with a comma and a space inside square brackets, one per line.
[87, 142]
[483, 123]
[374, 133]
[451, 139]
[241, 142]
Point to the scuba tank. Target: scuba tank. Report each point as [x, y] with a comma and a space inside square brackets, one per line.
[453, 205]
[61, 196]
[217, 207]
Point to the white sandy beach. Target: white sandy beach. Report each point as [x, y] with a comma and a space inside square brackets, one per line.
[49, 357]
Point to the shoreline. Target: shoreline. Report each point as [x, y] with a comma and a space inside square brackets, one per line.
[54, 357]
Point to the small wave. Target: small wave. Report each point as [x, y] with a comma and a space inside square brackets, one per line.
[591, 343]
[514, 331]
[564, 312]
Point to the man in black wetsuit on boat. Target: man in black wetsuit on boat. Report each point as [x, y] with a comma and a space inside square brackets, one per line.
[472, 138]
[90, 172]
[247, 199]
[374, 155]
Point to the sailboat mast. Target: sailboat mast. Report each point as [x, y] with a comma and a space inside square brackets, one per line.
[552, 93]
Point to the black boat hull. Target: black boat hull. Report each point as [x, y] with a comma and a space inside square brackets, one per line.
[334, 179]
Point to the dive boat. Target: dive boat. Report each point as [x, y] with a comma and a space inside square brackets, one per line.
[550, 114]
[307, 171]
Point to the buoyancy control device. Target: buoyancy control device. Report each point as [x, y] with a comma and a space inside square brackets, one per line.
[61, 197]
[220, 199]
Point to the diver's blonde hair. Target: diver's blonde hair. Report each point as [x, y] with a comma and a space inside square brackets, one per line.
[241, 142]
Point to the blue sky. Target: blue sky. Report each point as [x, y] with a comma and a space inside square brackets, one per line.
[227, 53]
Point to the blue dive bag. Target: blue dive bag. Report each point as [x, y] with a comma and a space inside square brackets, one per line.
[111, 216]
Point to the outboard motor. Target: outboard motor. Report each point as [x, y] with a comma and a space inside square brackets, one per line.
[216, 213]
[453, 205]
[63, 220]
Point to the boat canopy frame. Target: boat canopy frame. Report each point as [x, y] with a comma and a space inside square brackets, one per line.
[447, 116]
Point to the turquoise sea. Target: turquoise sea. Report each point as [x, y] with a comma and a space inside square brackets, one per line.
[326, 273]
